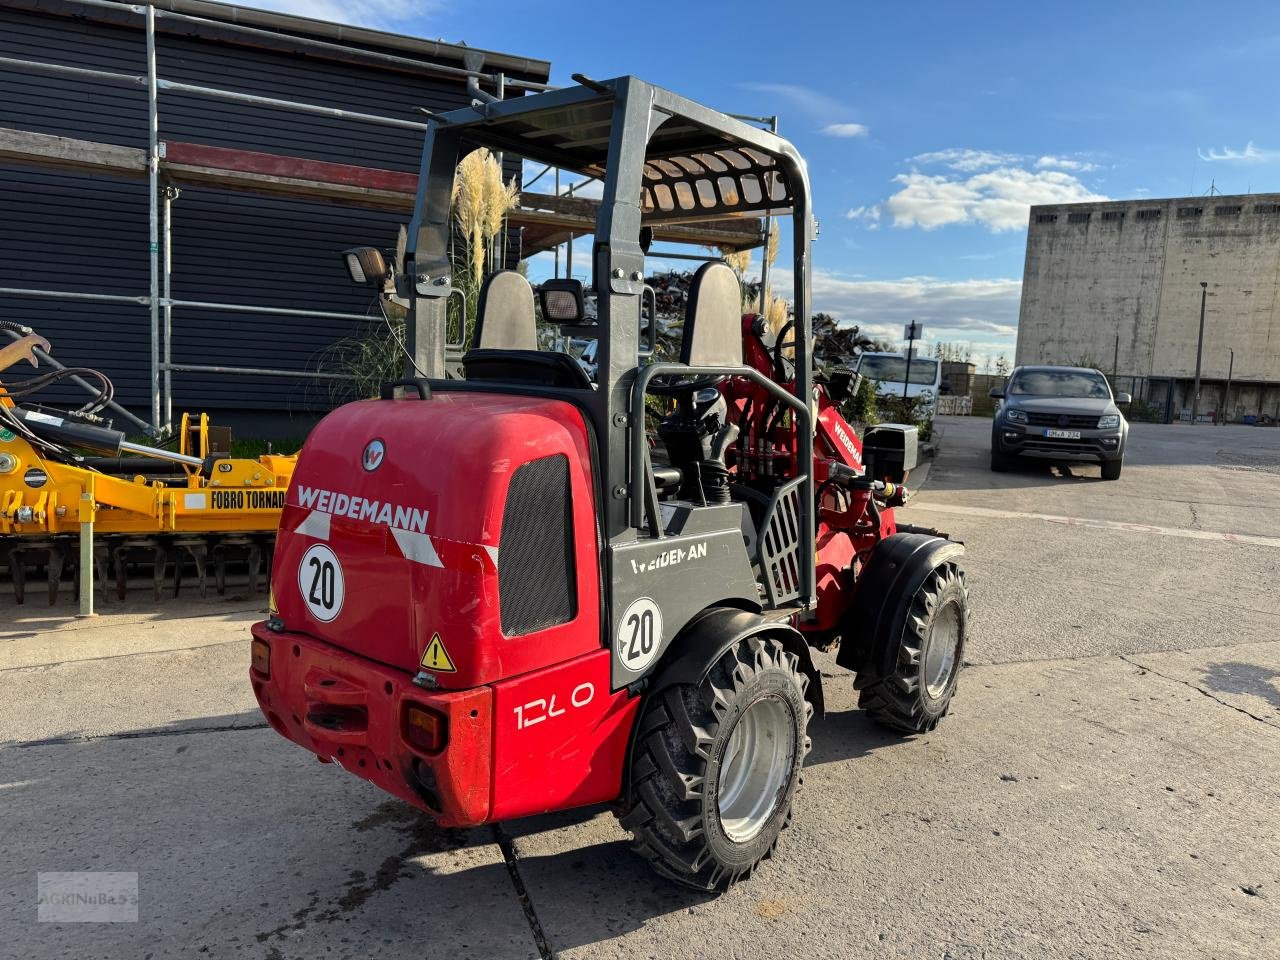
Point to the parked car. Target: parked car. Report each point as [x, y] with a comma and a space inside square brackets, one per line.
[889, 370]
[1059, 413]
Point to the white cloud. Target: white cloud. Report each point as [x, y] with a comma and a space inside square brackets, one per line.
[817, 104]
[981, 312]
[999, 199]
[868, 215]
[1066, 163]
[965, 160]
[1250, 154]
[363, 13]
[845, 130]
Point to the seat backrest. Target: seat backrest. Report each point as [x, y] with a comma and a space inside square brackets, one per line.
[505, 318]
[713, 318]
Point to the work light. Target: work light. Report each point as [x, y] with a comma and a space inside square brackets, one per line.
[562, 300]
[365, 264]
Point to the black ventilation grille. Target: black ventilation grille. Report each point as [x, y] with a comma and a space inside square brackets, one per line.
[780, 545]
[1062, 420]
[536, 587]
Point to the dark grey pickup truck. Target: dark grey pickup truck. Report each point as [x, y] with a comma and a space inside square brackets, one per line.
[1059, 413]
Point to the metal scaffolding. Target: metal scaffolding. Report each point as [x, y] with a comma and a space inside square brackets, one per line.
[547, 221]
[158, 299]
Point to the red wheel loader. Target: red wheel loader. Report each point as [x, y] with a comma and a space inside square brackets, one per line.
[505, 595]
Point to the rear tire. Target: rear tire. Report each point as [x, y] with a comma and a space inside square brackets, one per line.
[717, 764]
[1111, 469]
[930, 654]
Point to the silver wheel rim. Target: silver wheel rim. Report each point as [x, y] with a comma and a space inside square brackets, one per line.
[940, 650]
[756, 768]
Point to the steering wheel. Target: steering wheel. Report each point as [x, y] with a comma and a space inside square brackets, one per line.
[677, 384]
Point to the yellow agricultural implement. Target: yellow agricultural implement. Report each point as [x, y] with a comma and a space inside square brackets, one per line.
[75, 492]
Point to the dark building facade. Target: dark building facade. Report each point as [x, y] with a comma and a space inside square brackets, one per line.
[64, 229]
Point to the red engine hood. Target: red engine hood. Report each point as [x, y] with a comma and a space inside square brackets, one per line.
[390, 534]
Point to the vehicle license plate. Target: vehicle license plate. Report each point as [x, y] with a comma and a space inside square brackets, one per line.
[1062, 434]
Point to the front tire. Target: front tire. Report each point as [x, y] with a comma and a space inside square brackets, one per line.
[1000, 462]
[717, 764]
[930, 654]
[1111, 469]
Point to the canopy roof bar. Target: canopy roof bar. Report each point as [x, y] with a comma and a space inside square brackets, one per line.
[702, 166]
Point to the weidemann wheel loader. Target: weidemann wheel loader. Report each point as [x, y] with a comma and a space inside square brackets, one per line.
[494, 597]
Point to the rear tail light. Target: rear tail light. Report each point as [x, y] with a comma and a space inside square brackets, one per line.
[424, 728]
[260, 657]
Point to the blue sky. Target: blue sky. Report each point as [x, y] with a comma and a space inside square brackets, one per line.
[929, 127]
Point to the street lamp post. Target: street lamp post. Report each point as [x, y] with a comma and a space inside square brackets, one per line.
[1226, 403]
[1195, 399]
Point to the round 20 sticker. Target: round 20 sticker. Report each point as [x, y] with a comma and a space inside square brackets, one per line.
[320, 582]
[639, 635]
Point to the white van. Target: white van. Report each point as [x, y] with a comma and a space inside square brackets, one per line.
[889, 370]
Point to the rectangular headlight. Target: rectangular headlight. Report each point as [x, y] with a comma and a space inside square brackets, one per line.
[1015, 416]
[1109, 421]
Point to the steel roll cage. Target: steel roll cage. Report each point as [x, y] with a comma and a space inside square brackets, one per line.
[636, 113]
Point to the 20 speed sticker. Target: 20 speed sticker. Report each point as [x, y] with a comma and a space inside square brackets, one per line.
[639, 635]
[320, 582]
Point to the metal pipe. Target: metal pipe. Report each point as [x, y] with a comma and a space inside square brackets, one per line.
[275, 311]
[260, 372]
[216, 93]
[73, 295]
[768, 221]
[170, 194]
[85, 573]
[703, 257]
[157, 454]
[153, 212]
[170, 302]
[36, 66]
[92, 388]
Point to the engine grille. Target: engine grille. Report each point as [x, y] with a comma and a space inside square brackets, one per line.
[536, 586]
[1074, 421]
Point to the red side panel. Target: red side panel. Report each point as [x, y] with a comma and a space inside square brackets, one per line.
[560, 738]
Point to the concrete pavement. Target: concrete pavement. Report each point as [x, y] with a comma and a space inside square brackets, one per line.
[1106, 785]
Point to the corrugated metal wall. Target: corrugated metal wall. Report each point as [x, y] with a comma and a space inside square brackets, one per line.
[72, 232]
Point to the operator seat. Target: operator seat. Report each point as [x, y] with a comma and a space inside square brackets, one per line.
[506, 339]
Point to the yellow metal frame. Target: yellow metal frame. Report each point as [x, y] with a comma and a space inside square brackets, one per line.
[240, 496]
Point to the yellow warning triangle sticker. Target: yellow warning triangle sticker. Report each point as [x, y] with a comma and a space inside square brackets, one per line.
[435, 658]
